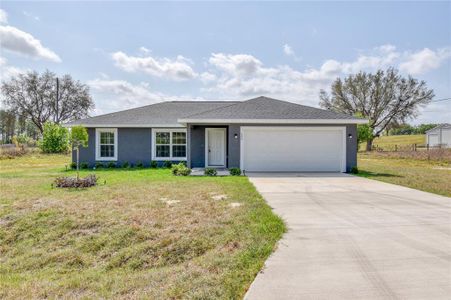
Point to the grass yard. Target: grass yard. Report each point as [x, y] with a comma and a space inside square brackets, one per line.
[429, 176]
[400, 140]
[143, 234]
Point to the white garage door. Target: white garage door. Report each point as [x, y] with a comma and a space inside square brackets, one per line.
[287, 149]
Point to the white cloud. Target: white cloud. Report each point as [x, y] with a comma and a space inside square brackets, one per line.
[115, 95]
[175, 69]
[125, 94]
[288, 50]
[30, 15]
[242, 65]
[3, 16]
[425, 60]
[144, 50]
[18, 41]
[207, 77]
[7, 71]
[243, 75]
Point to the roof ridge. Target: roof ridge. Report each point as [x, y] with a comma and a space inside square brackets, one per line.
[213, 109]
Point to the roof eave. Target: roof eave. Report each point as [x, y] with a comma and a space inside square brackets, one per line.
[274, 121]
[176, 125]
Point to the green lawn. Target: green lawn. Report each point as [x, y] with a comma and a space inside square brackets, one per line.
[429, 176]
[143, 234]
[400, 140]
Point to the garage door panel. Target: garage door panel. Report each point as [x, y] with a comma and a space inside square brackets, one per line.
[292, 149]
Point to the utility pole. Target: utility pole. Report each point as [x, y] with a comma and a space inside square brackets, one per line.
[57, 99]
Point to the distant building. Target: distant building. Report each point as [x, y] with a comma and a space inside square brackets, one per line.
[439, 136]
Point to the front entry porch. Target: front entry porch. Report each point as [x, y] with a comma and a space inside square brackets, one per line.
[213, 146]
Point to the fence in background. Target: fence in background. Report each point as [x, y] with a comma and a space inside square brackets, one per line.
[408, 147]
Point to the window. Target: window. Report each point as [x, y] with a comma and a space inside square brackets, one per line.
[106, 144]
[169, 144]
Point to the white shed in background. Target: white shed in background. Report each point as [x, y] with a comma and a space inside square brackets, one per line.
[439, 136]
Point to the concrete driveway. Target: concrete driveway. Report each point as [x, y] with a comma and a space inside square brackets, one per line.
[355, 238]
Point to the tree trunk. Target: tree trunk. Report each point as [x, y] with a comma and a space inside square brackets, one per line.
[78, 165]
[369, 144]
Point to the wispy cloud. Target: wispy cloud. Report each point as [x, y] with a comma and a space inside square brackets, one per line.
[7, 71]
[121, 94]
[32, 16]
[288, 50]
[3, 16]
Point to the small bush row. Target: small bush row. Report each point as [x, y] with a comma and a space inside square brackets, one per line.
[111, 165]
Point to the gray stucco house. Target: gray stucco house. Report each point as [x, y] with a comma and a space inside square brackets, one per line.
[260, 134]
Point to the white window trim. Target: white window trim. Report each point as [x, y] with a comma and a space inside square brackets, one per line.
[154, 144]
[98, 131]
[342, 129]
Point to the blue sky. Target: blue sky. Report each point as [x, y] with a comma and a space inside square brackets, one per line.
[136, 53]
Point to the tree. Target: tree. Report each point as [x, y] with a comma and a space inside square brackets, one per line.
[403, 129]
[364, 133]
[55, 138]
[384, 98]
[422, 128]
[79, 138]
[7, 126]
[43, 98]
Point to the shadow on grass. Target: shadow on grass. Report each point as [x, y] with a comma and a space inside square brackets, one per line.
[370, 174]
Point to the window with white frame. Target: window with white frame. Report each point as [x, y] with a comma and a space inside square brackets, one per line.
[106, 144]
[169, 144]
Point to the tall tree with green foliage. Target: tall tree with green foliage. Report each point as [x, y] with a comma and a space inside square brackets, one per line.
[78, 138]
[55, 138]
[384, 98]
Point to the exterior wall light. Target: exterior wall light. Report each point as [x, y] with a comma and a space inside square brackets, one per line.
[235, 135]
[350, 136]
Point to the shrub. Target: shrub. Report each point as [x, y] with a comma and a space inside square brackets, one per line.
[55, 138]
[21, 141]
[235, 171]
[99, 165]
[180, 170]
[73, 165]
[153, 164]
[139, 164]
[111, 165]
[210, 172]
[167, 164]
[354, 170]
[74, 182]
[84, 165]
[125, 165]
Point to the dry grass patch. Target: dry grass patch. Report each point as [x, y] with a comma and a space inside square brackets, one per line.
[122, 240]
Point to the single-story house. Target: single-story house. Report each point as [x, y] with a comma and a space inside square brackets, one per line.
[260, 134]
[439, 136]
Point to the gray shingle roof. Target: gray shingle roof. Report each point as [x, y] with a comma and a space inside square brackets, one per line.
[163, 113]
[267, 108]
[176, 112]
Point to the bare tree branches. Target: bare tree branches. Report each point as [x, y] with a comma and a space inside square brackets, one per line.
[384, 98]
[35, 96]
